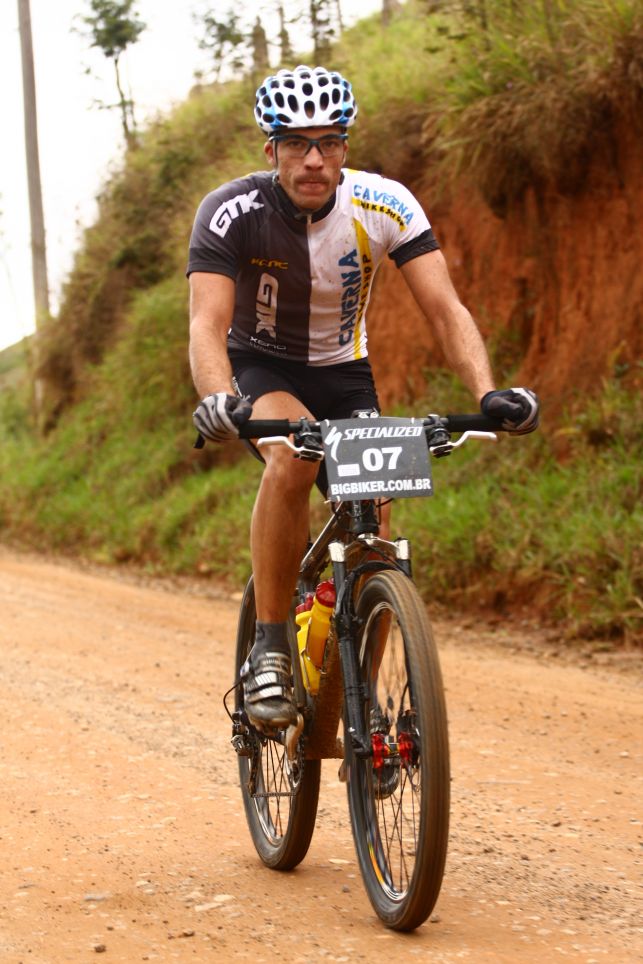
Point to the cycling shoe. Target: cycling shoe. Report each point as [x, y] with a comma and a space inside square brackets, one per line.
[267, 691]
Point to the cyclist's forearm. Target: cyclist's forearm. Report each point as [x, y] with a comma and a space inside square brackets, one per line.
[464, 351]
[209, 363]
[211, 308]
[455, 330]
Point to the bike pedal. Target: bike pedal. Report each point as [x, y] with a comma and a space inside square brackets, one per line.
[292, 736]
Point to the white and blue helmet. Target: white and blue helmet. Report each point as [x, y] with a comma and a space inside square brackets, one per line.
[304, 97]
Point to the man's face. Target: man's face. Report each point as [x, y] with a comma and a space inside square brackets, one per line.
[309, 181]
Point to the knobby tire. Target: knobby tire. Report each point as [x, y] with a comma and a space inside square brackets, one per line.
[399, 798]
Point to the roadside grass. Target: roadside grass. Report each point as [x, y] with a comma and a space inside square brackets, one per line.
[552, 522]
[521, 528]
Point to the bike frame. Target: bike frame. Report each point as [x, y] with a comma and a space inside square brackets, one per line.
[349, 540]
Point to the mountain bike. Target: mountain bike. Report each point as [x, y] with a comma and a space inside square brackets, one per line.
[376, 675]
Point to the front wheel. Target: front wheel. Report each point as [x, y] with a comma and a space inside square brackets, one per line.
[279, 795]
[399, 795]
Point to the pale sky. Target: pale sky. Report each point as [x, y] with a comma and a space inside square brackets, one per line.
[78, 142]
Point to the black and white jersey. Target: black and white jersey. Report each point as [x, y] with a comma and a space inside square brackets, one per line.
[303, 282]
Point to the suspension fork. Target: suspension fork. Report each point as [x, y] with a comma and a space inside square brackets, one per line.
[346, 632]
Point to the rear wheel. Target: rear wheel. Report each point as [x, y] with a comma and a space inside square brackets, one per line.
[399, 796]
[279, 795]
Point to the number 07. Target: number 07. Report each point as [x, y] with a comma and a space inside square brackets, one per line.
[373, 459]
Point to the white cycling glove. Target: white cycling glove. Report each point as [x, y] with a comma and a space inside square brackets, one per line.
[218, 417]
[517, 407]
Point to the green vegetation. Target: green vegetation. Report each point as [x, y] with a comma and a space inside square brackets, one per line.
[552, 520]
[538, 91]
[114, 477]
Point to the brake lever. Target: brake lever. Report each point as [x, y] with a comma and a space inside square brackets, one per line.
[307, 451]
[445, 448]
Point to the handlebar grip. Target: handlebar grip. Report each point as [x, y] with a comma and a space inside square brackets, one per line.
[473, 423]
[262, 428]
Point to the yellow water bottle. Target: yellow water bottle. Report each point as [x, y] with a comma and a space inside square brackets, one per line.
[313, 618]
[322, 608]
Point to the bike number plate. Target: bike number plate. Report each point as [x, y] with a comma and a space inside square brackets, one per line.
[376, 458]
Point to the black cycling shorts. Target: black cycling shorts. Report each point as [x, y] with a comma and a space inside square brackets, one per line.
[327, 391]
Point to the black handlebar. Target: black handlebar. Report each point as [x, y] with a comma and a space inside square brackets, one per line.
[263, 428]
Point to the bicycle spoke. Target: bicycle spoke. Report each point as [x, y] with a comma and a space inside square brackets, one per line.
[274, 792]
[397, 828]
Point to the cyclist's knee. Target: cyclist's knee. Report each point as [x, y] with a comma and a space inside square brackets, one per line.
[288, 474]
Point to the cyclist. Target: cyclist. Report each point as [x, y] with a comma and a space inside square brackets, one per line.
[281, 264]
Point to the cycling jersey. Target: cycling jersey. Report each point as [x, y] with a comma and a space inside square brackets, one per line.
[303, 281]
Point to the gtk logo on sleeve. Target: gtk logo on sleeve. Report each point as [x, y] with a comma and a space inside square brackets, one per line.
[229, 210]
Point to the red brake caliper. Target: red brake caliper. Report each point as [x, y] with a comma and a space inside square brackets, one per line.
[406, 749]
[380, 750]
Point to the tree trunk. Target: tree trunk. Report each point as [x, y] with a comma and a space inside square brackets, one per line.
[321, 30]
[260, 60]
[389, 9]
[340, 19]
[127, 109]
[285, 48]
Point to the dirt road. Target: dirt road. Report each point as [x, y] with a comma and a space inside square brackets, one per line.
[121, 823]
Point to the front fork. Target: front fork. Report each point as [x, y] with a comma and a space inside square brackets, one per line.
[347, 626]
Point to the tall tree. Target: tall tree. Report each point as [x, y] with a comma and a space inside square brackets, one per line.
[38, 246]
[285, 47]
[260, 60]
[225, 39]
[321, 28]
[340, 19]
[113, 27]
[389, 9]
